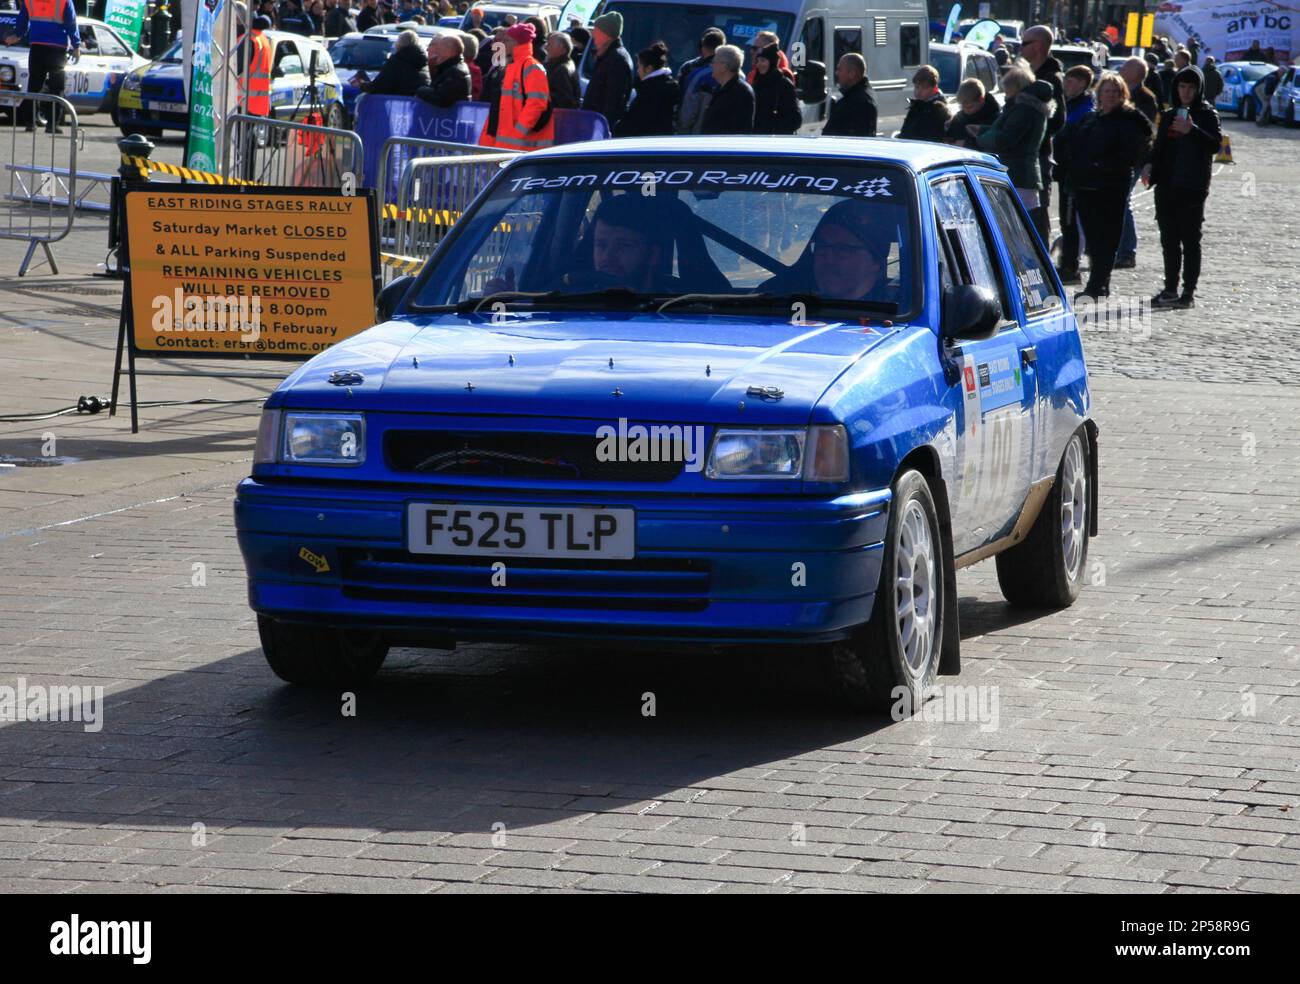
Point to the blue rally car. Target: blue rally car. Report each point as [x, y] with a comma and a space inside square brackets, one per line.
[741, 391]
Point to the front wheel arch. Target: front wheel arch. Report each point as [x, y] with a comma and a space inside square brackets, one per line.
[925, 459]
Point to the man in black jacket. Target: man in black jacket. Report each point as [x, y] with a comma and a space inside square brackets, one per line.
[731, 110]
[1036, 48]
[560, 74]
[449, 81]
[404, 72]
[369, 15]
[611, 76]
[294, 20]
[338, 21]
[928, 113]
[1179, 166]
[854, 113]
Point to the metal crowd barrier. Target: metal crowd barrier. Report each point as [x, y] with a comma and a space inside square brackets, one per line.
[397, 152]
[41, 164]
[283, 152]
[432, 195]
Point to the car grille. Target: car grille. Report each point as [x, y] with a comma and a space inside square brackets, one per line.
[506, 455]
[650, 584]
[160, 92]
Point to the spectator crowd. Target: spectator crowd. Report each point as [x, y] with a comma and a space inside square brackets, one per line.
[1081, 137]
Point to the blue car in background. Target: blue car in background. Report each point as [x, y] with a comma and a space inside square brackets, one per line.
[1239, 81]
[711, 392]
[359, 57]
[152, 98]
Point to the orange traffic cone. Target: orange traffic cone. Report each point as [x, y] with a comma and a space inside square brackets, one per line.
[1225, 152]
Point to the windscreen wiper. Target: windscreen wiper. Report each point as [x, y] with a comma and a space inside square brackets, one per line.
[761, 300]
[810, 300]
[621, 294]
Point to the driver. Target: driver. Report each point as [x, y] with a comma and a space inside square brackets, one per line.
[626, 248]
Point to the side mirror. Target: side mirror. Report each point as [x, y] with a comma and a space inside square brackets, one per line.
[812, 83]
[391, 296]
[969, 312]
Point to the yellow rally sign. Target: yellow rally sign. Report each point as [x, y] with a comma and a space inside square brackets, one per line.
[222, 271]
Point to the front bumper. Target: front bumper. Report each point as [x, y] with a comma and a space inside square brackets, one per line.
[712, 569]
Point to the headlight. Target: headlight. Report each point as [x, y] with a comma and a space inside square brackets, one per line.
[817, 454]
[7, 73]
[311, 438]
[757, 454]
[131, 83]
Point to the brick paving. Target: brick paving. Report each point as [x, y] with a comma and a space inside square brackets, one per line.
[1146, 739]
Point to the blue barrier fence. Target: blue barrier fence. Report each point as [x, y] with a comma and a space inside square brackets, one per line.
[381, 117]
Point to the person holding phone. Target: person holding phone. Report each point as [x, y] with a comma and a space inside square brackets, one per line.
[1179, 167]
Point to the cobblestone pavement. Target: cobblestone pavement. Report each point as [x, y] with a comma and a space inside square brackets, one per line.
[1145, 739]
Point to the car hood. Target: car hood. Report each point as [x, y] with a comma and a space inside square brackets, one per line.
[639, 367]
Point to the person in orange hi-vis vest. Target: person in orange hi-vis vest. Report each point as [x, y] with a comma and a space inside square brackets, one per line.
[524, 112]
[50, 27]
[258, 102]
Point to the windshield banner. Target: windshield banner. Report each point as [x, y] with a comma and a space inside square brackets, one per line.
[704, 180]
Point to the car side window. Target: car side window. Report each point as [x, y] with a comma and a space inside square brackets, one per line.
[1033, 279]
[909, 44]
[109, 45]
[287, 60]
[959, 222]
[88, 42]
[847, 39]
[814, 40]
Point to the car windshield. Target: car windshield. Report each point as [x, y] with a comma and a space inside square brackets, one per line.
[742, 232]
[364, 52]
[946, 64]
[172, 56]
[1254, 73]
[680, 25]
[493, 18]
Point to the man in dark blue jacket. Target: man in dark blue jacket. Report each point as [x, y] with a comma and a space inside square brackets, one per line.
[51, 29]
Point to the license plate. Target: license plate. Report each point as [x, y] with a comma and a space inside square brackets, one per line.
[520, 531]
[166, 107]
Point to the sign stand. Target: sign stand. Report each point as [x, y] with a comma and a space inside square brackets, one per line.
[357, 279]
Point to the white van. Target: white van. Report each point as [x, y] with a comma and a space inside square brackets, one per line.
[894, 39]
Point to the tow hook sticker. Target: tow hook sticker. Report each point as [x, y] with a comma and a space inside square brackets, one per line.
[316, 560]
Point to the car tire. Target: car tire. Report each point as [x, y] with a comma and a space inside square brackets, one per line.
[1046, 570]
[899, 646]
[320, 657]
